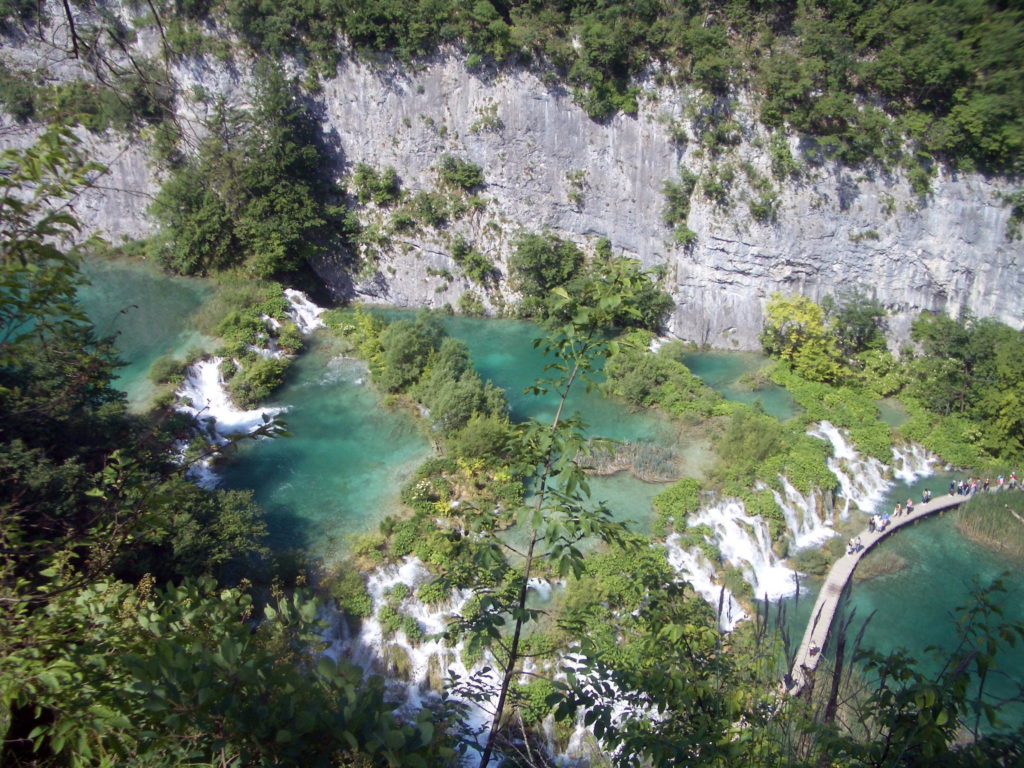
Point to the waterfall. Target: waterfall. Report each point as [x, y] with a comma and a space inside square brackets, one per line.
[863, 481]
[744, 541]
[911, 461]
[304, 312]
[700, 573]
[204, 396]
[430, 660]
[805, 526]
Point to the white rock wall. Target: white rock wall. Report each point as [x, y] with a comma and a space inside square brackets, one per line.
[944, 252]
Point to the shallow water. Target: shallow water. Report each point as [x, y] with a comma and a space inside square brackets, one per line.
[149, 313]
[342, 471]
[892, 412]
[722, 371]
[913, 608]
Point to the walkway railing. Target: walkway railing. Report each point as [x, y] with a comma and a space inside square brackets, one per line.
[810, 651]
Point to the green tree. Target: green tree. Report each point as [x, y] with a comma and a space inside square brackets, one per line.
[540, 263]
[795, 330]
[255, 196]
[558, 516]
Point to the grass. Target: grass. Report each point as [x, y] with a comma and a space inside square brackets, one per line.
[995, 520]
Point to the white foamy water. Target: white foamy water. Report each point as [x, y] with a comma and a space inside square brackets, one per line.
[745, 543]
[911, 461]
[806, 527]
[863, 481]
[205, 396]
[430, 660]
[700, 574]
[304, 312]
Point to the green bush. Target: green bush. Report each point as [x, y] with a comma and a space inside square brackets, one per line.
[456, 173]
[643, 378]
[677, 502]
[477, 267]
[381, 187]
[390, 620]
[257, 380]
[167, 369]
[347, 587]
[433, 592]
[532, 698]
[677, 200]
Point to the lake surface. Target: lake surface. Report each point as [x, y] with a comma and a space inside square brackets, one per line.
[913, 608]
[342, 471]
[149, 312]
[724, 372]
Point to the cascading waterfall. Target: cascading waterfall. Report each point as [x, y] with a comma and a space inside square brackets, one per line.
[806, 527]
[701, 575]
[911, 461]
[744, 541]
[863, 481]
[304, 312]
[429, 661]
[204, 396]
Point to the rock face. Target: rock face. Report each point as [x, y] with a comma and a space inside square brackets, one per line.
[548, 166]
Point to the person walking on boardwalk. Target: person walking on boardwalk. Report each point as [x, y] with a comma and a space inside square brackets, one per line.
[910, 506]
[898, 511]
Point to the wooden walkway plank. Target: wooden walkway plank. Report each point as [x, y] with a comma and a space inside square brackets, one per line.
[828, 598]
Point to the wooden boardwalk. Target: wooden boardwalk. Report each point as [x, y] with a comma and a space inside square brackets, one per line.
[828, 598]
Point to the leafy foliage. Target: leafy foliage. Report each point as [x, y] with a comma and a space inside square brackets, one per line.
[658, 379]
[972, 369]
[456, 173]
[381, 187]
[255, 196]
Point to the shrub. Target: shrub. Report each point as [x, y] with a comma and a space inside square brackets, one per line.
[382, 187]
[677, 502]
[433, 592]
[257, 380]
[346, 585]
[457, 173]
[167, 370]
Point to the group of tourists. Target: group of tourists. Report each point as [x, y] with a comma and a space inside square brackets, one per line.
[972, 485]
[879, 523]
[854, 546]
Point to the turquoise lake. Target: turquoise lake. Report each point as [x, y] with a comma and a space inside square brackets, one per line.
[149, 313]
[343, 469]
[913, 608]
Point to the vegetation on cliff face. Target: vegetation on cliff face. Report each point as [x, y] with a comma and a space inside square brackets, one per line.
[860, 76]
[256, 195]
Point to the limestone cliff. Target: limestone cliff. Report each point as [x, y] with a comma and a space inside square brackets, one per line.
[547, 165]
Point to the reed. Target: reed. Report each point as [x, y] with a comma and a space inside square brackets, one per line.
[995, 520]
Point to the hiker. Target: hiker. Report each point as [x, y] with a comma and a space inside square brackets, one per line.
[910, 506]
